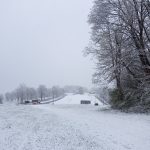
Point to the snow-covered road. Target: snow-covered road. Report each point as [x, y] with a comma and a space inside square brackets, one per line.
[71, 127]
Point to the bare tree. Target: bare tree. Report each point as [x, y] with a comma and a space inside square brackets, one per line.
[1, 99]
[21, 93]
[31, 93]
[42, 90]
[8, 96]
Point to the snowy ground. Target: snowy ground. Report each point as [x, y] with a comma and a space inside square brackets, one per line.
[71, 127]
[76, 99]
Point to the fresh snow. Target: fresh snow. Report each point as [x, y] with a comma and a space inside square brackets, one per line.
[76, 99]
[71, 127]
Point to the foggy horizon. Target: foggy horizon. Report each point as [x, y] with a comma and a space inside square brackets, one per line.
[42, 42]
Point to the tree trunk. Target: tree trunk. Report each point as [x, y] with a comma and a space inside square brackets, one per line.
[145, 62]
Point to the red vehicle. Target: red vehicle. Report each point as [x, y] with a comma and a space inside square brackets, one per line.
[35, 102]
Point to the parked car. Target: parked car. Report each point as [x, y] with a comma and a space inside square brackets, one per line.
[35, 101]
[96, 104]
[26, 102]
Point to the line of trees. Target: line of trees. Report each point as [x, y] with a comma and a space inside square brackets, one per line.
[24, 93]
[120, 43]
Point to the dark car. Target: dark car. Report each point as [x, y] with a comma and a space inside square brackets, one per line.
[26, 102]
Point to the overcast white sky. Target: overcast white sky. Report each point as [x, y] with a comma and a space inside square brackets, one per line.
[41, 42]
